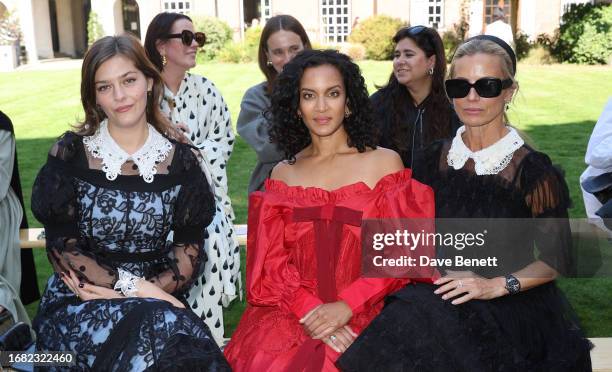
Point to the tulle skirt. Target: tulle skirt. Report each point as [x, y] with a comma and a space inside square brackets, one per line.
[534, 330]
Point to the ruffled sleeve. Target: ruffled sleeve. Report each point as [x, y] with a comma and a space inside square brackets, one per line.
[55, 205]
[193, 212]
[272, 280]
[401, 198]
[547, 196]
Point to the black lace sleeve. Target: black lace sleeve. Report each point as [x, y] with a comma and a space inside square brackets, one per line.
[55, 205]
[547, 195]
[193, 212]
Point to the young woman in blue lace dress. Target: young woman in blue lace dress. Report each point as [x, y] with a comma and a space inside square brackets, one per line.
[108, 196]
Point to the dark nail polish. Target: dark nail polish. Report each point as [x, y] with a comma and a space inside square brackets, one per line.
[81, 285]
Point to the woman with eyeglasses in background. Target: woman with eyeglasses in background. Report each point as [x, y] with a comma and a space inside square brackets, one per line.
[412, 110]
[195, 105]
[506, 318]
[281, 39]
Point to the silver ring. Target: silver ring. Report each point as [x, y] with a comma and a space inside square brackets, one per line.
[333, 338]
[460, 284]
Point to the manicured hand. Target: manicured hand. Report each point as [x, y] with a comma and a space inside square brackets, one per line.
[86, 291]
[147, 289]
[340, 340]
[474, 288]
[327, 318]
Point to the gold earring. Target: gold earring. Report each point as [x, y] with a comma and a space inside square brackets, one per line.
[347, 112]
[430, 71]
[164, 60]
[269, 64]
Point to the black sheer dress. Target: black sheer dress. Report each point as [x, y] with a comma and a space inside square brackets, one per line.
[534, 330]
[97, 227]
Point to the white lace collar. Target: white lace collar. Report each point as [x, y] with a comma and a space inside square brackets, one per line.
[102, 146]
[490, 160]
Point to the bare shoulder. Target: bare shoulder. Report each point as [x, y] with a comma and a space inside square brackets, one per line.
[385, 160]
[282, 171]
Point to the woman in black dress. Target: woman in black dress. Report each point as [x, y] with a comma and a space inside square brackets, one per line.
[412, 110]
[108, 197]
[483, 320]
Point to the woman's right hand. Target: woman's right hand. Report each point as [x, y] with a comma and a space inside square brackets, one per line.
[341, 339]
[146, 289]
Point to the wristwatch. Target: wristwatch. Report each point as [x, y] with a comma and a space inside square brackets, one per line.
[512, 284]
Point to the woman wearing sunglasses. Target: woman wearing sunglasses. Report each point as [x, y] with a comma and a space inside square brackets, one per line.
[471, 320]
[412, 109]
[195, 105]
[281, 39]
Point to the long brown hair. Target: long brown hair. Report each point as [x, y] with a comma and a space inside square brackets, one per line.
[280, 22]
[101, 51]
[399, 98]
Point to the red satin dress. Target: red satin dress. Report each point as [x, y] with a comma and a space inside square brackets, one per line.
[304, 249]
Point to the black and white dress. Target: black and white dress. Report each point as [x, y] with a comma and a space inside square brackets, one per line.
[533, 330]
[107, 216]
[199, 105]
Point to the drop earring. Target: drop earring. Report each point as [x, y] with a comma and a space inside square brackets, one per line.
[430, 71]
[164, 60]
[347, 112]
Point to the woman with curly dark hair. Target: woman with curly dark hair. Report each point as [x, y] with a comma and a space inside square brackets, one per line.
[412, 110]
[307, 298]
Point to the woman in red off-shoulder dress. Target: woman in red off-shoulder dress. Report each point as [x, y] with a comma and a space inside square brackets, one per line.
[307, 297]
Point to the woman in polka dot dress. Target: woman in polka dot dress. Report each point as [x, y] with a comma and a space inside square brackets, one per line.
[196, 106]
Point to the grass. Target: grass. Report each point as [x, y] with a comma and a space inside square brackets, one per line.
[557, 107]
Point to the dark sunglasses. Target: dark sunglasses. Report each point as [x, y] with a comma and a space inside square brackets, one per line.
[187, 37]
[485, 87]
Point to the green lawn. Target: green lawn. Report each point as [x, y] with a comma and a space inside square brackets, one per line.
[557, 108]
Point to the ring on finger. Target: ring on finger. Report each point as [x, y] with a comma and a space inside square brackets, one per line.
[459, 284]
[333, 338]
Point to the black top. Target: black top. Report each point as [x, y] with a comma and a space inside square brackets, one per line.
[523, 204]
[99, 225]
[415, 121]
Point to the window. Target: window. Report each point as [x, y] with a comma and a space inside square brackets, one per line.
[335, 16]
[177, 6]
[567, 4]
[491, 5]
[434, 14]
[266, 10]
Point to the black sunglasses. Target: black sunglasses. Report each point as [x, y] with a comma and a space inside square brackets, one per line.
[485, 87]
[187, 37]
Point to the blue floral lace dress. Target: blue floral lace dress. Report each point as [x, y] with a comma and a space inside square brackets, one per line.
[96, 227]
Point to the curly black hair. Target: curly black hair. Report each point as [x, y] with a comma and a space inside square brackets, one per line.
[288, 131]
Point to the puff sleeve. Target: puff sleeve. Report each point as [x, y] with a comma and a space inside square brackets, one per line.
[55, 205]
[272, 279]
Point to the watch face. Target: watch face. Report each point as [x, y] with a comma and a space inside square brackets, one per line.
[512, 284]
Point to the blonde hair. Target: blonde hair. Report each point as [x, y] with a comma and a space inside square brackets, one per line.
[481, 46]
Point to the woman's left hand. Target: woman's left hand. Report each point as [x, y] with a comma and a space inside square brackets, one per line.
[470, 288]
[327, 318]
[86, 291]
